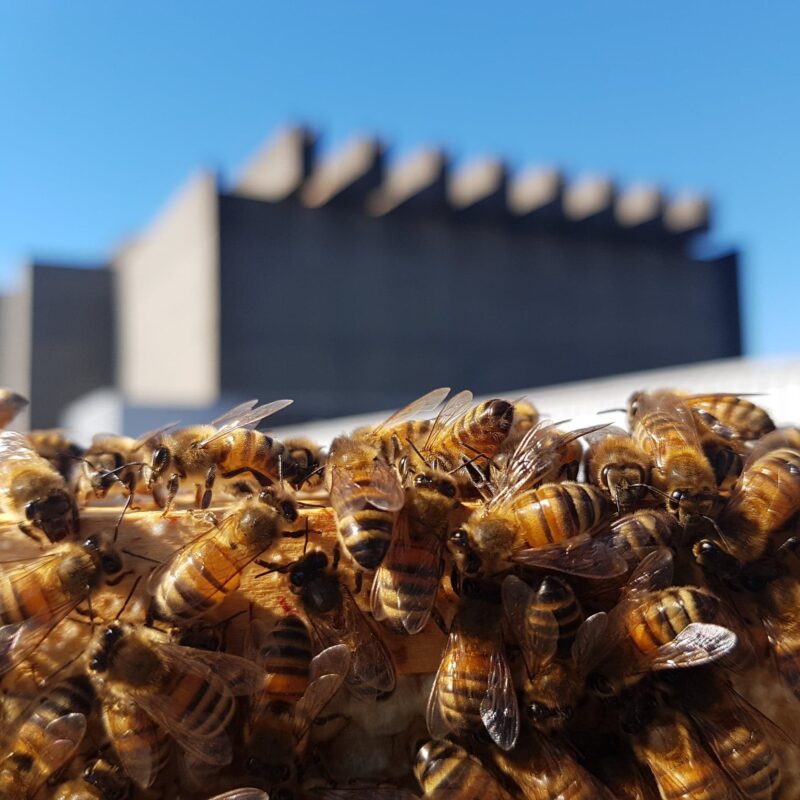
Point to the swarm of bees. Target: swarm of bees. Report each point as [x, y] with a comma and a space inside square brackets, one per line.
[464, 601]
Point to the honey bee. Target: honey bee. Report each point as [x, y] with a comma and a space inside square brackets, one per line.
[473, 688]
[276, 733]
[766, 497]
[778, 603]
[111, 462]
[730, 416]
[734, 733]
[37, 593]
[52, 445]
[310, 460]
[45, 737]
[541, 770]
[615, 463]
[636, 535]
[664, 428]
[557, 642]
[142, 747]
[336, 619]
[202, 573]
[445, 770]
[11, 404]
[682, 768]
[189, 693]
[229, 445]
[406, 583]
[364, 485]
[32, 491]
[99, 781]
[776, 440]
[657, 626]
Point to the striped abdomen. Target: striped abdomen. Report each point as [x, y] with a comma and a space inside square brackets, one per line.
[557, 598]
[445, 770]
[365, 531]
[405, 586]
[732, 416]
[286, 655]
[198, 581]
[482, 429]
[636, 535]
[205, 706]
[556, 512]
[462, 683]
[141, 745]
[660, 616]
[745, 754]
[31, 757]
[254, 450]
[768, 492]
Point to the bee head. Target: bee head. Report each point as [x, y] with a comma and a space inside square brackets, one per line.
[307, 568]
[110, 559]
[466, 560]
[161, 461]
[107, 640]
[714, 559]
[51, 514]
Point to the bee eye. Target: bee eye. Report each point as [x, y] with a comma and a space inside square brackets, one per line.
[289, 510]
[160, 459]
[91, 543]
[675, 499]
[298, 577]
[111, 563]
[459, 538]
[99, 663]
[30, 509]
[447, 489]
[422, 480]
[111, 634]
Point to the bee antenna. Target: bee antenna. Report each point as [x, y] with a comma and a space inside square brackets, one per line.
[305, 538]
[716, 527]
[650, 489]
[416, 450]
[613, 411]
[137, 555]
[467, 463]
[128, 598]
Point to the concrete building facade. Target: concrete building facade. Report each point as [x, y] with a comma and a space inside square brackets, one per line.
[351, 284]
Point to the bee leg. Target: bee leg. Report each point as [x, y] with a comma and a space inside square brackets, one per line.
[211, 476]
[439, 620]
[337, 554]
[358, 579]
[29, 531]
[172, 491]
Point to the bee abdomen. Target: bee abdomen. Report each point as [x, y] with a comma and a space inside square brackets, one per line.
[366, 535]
[558, 511]
[287, 658]
[750, 762]
[206, 708]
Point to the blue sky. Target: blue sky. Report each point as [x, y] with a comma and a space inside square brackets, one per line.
[107, 107]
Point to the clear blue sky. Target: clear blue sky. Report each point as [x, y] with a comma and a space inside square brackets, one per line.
[107, 107]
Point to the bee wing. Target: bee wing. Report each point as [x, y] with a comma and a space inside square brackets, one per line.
[782, 651]
[384, 490]
[234, 413]
[425, 558]
[590, 645]
[245, 419]
[318, 694]
[499, 708]
[684, 431]
[62, 738]
[140, 759]
[240, 676]
[159, 573]
[581, 556]
[655, 571]
[149, 437]
[698, 643]
[15, 446]
[245, 793]
[334, 660]
[538, 642]
[420, 408]
[597, 436]
[371, 668]
[438, 726]
[255, 647]
[452, 409]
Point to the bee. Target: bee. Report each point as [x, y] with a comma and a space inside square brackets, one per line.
[37, 593]
[664, 428]
[32, 491]
[276, 734]
[730, 416]
[616, 464]
[776, 440]
[364, 485]
[189, 693]
[778, 604]
[229, 445]
[557, 642]
[541, 770]
[310, 460]
[45, 737]
[473, 688]
[55, 447]
[99, 781]
[111, 462]
[201, 574]
[682, 768]
[11, 404]
[406, 583]
[445, 770]
[734, 733]
[766, 497]
[636, 535]
[657, 626]
[142, 747]
[336, 619]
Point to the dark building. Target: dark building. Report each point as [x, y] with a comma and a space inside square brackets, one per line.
[351, 286]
